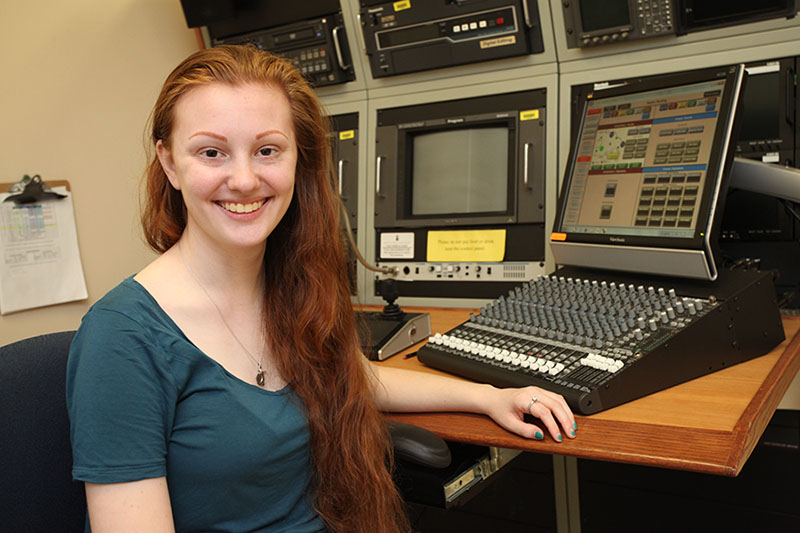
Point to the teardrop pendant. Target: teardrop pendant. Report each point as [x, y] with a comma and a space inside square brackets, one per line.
[260, 379]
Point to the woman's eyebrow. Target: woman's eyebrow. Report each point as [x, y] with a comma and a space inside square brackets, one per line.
[210, 134]
[269, 132]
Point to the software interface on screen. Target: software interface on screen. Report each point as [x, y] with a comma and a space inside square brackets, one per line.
[641, 162]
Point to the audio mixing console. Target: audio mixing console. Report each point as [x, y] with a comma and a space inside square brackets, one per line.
[602, 340]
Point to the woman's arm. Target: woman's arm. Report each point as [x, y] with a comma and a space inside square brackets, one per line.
[410, 391]
[137, 506]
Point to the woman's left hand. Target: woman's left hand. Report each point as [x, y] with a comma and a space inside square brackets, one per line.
[508, 407]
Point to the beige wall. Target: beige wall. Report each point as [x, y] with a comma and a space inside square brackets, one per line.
[78, 81]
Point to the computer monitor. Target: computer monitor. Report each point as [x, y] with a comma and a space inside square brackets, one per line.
[647, 175]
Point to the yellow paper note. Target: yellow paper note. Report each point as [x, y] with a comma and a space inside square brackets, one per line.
[467, 246]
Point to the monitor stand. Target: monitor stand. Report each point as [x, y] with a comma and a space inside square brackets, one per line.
[387, 332]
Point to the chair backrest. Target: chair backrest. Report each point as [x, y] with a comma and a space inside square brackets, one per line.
[37, 493]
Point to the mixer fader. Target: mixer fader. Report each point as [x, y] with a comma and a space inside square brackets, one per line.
[601, 342]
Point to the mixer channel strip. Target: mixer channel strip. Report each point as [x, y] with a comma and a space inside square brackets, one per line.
[588, 339]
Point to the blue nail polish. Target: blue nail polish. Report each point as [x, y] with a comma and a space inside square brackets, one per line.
[539, 435]
[573, 433]
[574, 425]
[559, 439]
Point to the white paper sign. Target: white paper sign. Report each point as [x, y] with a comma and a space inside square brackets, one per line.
[397, 246]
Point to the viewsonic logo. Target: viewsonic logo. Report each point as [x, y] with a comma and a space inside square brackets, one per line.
[617, 239]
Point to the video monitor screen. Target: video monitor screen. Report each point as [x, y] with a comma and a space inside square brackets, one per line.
[761, 113]
[603, 15]
[647, 167]
[460, 171]
[642, 162]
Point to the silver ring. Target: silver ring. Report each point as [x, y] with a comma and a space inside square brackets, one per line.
[533, 401]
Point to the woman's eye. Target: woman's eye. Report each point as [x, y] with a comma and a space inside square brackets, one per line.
[266, 151]
[210, 153]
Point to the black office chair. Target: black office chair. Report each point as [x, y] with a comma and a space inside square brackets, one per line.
[37, 493]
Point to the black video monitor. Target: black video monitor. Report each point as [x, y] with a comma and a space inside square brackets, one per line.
[647, 175]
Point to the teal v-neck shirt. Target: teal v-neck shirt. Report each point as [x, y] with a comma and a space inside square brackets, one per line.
[145, 402]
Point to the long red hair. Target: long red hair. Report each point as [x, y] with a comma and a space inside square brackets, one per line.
[308, 319]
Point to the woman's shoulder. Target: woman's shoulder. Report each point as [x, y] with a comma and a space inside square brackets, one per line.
[127, 316]
[128, 300]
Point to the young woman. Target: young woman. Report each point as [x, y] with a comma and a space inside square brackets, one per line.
[222, 387]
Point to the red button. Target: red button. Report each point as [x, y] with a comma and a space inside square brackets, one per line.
[499, 20]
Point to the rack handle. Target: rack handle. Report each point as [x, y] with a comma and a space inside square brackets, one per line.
[341, 165]
[378, 175]
[338, 47]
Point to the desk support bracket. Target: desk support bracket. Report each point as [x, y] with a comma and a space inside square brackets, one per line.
[568, 507]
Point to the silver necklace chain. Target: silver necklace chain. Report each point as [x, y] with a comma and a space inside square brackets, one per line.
[260, 375]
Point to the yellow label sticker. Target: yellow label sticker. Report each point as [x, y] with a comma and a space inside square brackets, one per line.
[499, 41]
[558, 236]
[530, 114]
[348, 134]
[467, 245]
[404, 4]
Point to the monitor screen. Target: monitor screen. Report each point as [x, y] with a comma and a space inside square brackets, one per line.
[646, 172]
[471, 164]
[604, 15]
[761, 113]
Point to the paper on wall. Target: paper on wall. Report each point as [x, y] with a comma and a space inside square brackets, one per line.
[40, 262]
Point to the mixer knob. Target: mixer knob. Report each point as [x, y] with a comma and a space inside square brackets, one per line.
[664, 318]
[679, 307]
[638, 334]
[652, 324]
[670, 313]
[698, 305]
[640, 323]
[691, 307]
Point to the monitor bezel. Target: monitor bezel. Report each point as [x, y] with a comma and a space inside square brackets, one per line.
[522, 112]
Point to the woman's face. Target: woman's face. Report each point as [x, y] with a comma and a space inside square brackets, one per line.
[232, 154]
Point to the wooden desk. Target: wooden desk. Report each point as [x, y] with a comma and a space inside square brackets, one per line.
[709, 425]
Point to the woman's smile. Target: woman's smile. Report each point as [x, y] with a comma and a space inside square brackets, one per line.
[236, 207]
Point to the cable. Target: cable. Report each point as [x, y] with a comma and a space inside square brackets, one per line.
[788, 206]
[388, 271]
